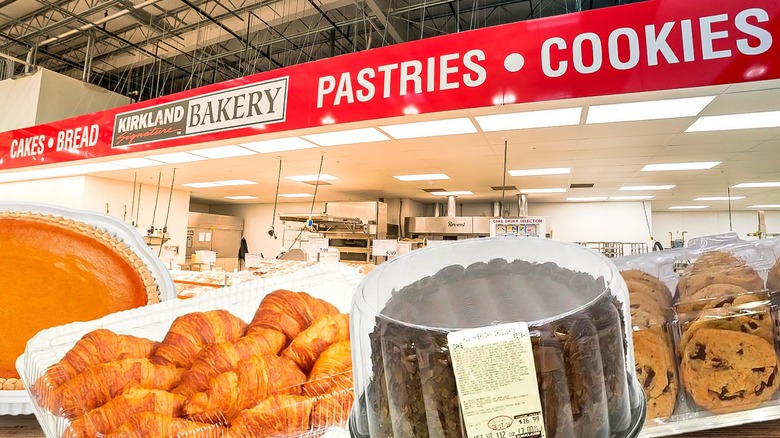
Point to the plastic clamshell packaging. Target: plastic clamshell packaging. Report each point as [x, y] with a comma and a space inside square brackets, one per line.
[721, 331]
[18, 402]
[573, 301]
[331, 282]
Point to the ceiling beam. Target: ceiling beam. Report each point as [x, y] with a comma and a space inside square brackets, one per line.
[230, 31]
[381, 9]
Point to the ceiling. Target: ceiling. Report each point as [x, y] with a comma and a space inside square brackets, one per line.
[154, 47]
[148, 48]
[608, 155]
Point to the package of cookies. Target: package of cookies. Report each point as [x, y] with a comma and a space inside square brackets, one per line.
[705, 321]
[501, 337]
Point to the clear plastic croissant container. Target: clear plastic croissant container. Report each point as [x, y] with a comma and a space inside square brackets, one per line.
[268, 358]
[495, 337]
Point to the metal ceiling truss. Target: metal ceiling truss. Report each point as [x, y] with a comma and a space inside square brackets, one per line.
[149, 48]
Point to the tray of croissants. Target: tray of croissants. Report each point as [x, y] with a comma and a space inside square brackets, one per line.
[221, 367]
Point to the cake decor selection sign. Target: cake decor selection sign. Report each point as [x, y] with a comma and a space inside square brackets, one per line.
[496, 381]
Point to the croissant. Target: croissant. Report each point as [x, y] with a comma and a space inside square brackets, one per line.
[106, 418]
[190, 333]
[156, 425]
[223, 357]
[310, 343]
[289, 312]
[332, 409]
[104, 381]
[252, 380]
[99, 346]
[332, 371]
[277, 416]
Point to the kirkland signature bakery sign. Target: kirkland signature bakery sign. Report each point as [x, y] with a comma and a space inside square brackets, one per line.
[260, 103]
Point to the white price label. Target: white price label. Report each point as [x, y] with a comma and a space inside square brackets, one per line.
[496, 381]
[253, 260]
[384, 248]
[317, 245]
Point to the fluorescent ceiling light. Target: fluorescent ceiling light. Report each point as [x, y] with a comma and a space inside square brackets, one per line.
[702, 165]
[177, 157]
[307, 178]
[201, 185]
[688, 207]
[71, 171]
[652, 110]
[352, 136]
[279, 145]
[422, 177]
[719, 198]
[223, 152]
[588, 198]
[756, 185]
[542, 190]
[238, 198]
[28, 175]
[768, 119]
[430, 129]
[764, 206]
[537, 172]
[639, 188]
[453, 193]
[297, 195]
[135, 163]
[234, 182]
[530, 119]
[630, 198]
[103, 167]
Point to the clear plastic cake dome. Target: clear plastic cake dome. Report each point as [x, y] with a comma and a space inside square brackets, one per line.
[498, 337]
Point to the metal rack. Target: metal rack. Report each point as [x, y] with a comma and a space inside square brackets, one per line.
[617, 249]
[351, 236]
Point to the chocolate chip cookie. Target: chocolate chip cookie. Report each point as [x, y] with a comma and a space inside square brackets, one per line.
[656, 372]
[743, 276]
[727, 371]
[755, 321]
[655, 287]
[773, 277]
[710, 297]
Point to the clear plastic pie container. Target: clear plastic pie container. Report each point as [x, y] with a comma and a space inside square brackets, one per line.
[17, 402]
[440, 344]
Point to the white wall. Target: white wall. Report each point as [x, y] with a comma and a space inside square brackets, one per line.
[92, 193]
[46, 96]
[113, 197]
[62, 97]
[257, 222]
[64, 192]
[704, 223]
[597, 221]
[19, 102]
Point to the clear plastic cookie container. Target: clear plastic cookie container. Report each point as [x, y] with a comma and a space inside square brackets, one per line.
[501, 336]
[721, 315]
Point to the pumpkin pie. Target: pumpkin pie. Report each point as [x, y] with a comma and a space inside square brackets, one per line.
[56, 270]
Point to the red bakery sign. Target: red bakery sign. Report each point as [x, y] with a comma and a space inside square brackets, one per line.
[653, 45]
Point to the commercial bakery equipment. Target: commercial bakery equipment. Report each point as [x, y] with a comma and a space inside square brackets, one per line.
[349, 227]
[218, 233]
